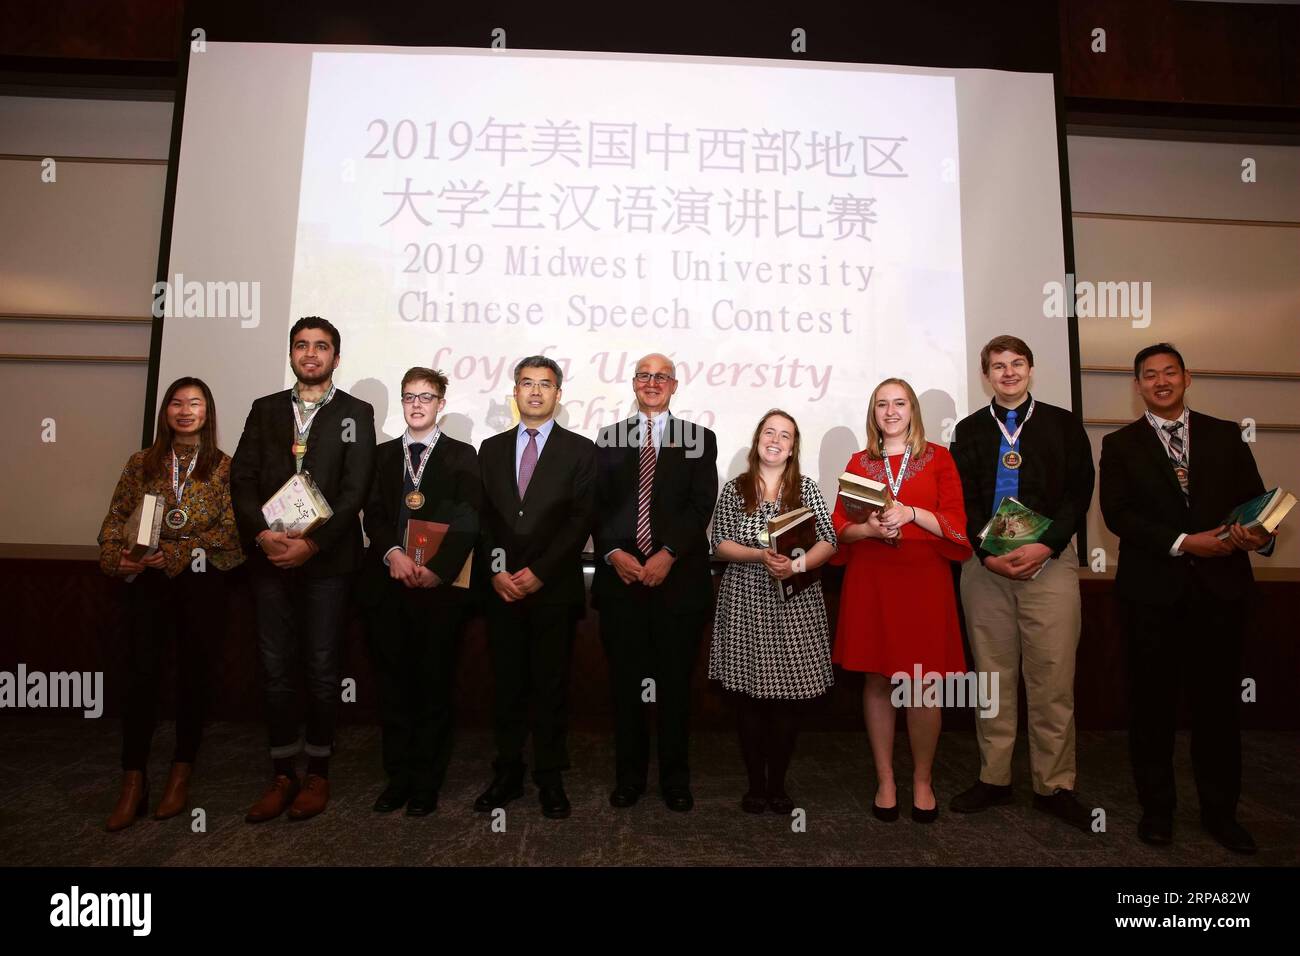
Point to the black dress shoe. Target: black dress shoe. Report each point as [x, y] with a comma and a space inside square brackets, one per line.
[884, 814]
[925, 816]
[625, 795]
[678, 798]
[980, 797]
[1231, 834]
[780, 803]
[555, 805]
[500, 792]
[422, 804]
[754, 802]
[1065, 805]
[1156, 829]
[393, 798]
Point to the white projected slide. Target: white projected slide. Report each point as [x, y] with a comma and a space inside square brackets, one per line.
[789, 233]
[787, 237]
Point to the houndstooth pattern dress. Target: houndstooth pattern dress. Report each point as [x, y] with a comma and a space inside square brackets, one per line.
[762, 646]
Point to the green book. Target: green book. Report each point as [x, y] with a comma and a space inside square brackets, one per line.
[1011, 526]
[1266, 511]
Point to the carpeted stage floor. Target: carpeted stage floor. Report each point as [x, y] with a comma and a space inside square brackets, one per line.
[58, 781]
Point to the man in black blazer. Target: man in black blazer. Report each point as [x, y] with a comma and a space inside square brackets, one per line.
[416, 612]
[656, 485]
[538, 480]
[301, 583]
[1167, 482]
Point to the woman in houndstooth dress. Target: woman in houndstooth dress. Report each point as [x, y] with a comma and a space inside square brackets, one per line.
[771, 655]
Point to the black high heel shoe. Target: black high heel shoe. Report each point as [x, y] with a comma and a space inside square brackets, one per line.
[884, 814]
[925, 816]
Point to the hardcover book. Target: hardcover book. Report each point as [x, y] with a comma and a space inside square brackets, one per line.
[1266, 511]
[297, 506]
[794, 531]
[1011, 526]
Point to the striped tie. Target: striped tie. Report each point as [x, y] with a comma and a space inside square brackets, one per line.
[643, 540]
[1176, 449]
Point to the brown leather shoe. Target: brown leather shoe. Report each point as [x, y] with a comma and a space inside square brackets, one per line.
[275, 801]
[132, 802]
[177, 792]
[312, 798]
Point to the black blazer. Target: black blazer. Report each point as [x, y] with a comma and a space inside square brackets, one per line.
[1142, 503]
[342, 469]
[681, 505]
[453, 494]
[1056, 478]
[545, 531]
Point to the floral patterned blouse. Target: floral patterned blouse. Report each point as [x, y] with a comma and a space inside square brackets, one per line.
[211, 524]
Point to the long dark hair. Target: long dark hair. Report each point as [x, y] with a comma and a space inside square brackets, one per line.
[747, 485]
[158, 459]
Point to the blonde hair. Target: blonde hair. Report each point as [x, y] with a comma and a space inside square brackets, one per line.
[915, 427]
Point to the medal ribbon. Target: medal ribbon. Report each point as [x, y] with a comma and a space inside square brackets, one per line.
[178, 486]
[424, 458]
[902, 469]
[303, 426]
[1013, 437]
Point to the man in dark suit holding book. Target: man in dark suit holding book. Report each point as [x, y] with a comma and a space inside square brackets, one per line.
[657, 482]
[1167, 482]
[538, 480]
[417, 612]
[301, 583]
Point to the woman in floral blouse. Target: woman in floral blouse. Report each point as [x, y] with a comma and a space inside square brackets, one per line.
[180, 588]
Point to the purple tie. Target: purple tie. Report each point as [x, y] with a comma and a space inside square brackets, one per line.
[528, 463]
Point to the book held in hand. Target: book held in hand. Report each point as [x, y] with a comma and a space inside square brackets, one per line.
[861, 496]
[297, 506]
[794, 531]
[1266, 511]
[1012, 526]
[144, 527]
[421, 541]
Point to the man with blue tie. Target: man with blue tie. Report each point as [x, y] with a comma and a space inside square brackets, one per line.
[538, 482]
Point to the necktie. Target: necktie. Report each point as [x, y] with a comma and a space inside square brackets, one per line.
[643, 540]
[528, 463]
[1177, 449]
[1008, 479]
[415, 450]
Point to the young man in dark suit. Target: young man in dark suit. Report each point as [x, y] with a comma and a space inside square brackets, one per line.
[538, 482]
[1167, 482]
[416, 613]
[1023, 612]
[301, 583]
[656, 485]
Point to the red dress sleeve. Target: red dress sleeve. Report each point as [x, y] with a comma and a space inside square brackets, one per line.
[951, 510]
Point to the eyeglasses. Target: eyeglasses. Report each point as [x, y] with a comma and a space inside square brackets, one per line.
[659, 377]
[528, 384]
[425, 398]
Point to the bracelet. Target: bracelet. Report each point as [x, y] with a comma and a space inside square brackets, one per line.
[913, 512]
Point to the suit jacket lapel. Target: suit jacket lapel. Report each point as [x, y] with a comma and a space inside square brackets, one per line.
[1154, 449]
[543, 462]
[670, 453]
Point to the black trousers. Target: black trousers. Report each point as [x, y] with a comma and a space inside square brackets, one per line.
[532, 649]
[189, 609]
[646, 639]
[414, 642]
[298, 616]
[1194, 646]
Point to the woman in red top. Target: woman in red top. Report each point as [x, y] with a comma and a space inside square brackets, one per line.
[897, 608]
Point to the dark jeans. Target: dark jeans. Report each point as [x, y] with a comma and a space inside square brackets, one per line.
[414, 643]
[644, 639]
[297, 615]
[190, 608]
[532, 646]
[1194, 645]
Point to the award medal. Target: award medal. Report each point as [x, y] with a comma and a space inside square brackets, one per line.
[302, 426]
[177, 517]
[415, 499]
[1011, 458]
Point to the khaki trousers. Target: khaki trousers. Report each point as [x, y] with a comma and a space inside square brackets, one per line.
[1028, 628]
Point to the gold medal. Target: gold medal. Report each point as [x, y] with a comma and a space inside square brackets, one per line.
[1181, 474]
[175, 519]
[299, 448]
[415, 500]
[1011, 459]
